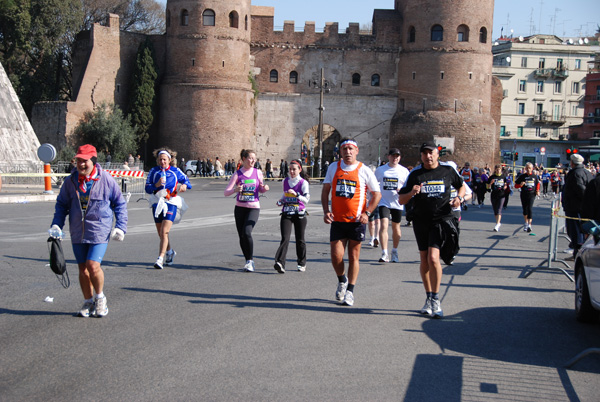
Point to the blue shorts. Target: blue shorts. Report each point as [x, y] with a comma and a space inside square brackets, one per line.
[87, 251]
[171, 213]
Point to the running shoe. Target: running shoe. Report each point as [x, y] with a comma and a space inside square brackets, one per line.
[528, 228]
[301, 268]
[395, 256]
[497, 227]
[349, 298]
[568, 251]
[375, 242]
[159, 263]
[384, 258]
[408, 223]
[87, 309]
[426, 310]
[249, 267]
[525, 228]
[466, 207]
[279, 267]
[341, 290]
[436, 309]
[101, 307]
[170, 257]
[371, 243]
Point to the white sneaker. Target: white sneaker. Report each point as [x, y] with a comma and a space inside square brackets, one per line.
[159, 263]
[101, 307]
[279, 267]
[341, 290]
[426, 310]
[529, 229]
[301, 268]
[170, 257]
[87, 309]
[436, 309]
[384, 258]
[568, 251]
[249, 267]
[395, 256]
[349, 298]
[525, 226]
[371, 243]
[497, 227]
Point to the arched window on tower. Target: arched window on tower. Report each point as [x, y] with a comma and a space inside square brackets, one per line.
[293, 77]
[185, 18]
[463, 33]
[483, 35]
[356, 79]
[412, 34]
[208, 18]
[375, 79]
[274, 76]
[233, 19]
[437, 33]
[168, 18]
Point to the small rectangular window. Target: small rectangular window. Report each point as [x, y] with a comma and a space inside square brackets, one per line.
[558, 87]
[470, 75]
[575, 88]
[424, 105]
[522, 85]
[441, 75]
[523, 61]
[577, 64]
[519, 131]
[540, 87]
[414, 75]
[521, 108]
[574, 110]
[542, 63]
[193, 62]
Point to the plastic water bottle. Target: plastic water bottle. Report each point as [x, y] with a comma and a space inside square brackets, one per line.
[163, 177]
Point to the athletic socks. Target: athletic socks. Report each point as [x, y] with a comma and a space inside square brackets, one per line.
[350, 288]
[342, 278]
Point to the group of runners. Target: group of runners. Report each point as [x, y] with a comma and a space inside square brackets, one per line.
[351, 194]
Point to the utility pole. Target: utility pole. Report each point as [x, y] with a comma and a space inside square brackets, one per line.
[322, 87]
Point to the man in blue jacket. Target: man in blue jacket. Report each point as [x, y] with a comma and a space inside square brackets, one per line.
[90, 196]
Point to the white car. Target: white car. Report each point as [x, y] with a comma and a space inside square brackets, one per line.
[190, 167]
[587, 278]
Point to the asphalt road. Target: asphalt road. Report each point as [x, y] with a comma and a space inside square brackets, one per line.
[204, 330]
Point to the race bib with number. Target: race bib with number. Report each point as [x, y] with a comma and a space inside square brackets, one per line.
[434, 188]
[345, 188]
[248, 189]
[390, 183]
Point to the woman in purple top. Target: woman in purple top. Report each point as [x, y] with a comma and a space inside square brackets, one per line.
[295, 197]
[247, 182]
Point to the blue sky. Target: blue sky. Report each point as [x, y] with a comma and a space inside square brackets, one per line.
[571, 18]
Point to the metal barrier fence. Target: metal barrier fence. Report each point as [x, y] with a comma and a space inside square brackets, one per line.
[557, 228]
[21, 169]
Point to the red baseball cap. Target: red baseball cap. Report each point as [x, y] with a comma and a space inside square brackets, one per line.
[86, 152]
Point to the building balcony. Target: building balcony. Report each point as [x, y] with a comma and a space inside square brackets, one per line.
[593, 119]
[546, 118]
[591, 98]
[560, 74]
[543, 73]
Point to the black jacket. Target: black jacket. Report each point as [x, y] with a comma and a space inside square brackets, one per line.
[575, 183]
[591, 200]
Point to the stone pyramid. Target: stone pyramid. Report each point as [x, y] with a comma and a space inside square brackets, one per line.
[18, 142]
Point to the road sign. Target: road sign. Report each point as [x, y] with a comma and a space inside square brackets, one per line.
[543, 150]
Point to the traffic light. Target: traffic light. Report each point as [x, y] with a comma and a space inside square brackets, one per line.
[571, 151]
[442, 150]
[515, 156]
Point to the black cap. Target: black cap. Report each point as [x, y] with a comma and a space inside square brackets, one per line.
[394, 151]
[428, 145]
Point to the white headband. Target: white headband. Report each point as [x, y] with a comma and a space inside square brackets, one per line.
[351, 142]
[166, 153]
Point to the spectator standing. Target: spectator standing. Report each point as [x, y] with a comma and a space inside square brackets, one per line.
[269, 169]
[572, 199]
[108, 159]
[91, 197]
[282, 169]
[130, 159]
[348, 181]
[218, 167]
[430, 184]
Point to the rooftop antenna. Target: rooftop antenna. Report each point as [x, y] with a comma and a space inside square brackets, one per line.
[531, 26]
[540, 23]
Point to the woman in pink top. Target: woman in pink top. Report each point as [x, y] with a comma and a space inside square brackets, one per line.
[247, 182]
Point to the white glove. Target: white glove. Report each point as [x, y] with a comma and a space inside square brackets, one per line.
[55, 232]
[117, 234]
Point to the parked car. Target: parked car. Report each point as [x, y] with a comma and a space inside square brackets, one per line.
[190, 167]
[587, 277]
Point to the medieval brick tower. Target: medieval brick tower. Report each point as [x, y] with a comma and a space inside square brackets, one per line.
[206, 96]
[445, 79]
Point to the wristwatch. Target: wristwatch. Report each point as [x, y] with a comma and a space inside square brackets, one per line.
[368, 213]
[461, 199]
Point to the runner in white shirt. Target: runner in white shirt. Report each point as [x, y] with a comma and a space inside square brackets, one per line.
[391, 178]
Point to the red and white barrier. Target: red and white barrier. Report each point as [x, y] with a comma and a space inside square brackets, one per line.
[126, 173]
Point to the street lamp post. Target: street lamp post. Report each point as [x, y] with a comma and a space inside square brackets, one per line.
[323, 87]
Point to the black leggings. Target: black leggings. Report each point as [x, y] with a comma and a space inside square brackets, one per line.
[245, 219]
[527, 203]
[299, 222]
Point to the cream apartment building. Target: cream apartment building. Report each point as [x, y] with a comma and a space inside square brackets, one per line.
[543, 81]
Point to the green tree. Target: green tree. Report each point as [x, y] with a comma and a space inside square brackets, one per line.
[107, 129]
[143, 94]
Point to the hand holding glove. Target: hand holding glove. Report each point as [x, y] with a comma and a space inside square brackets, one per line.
[117, 234]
